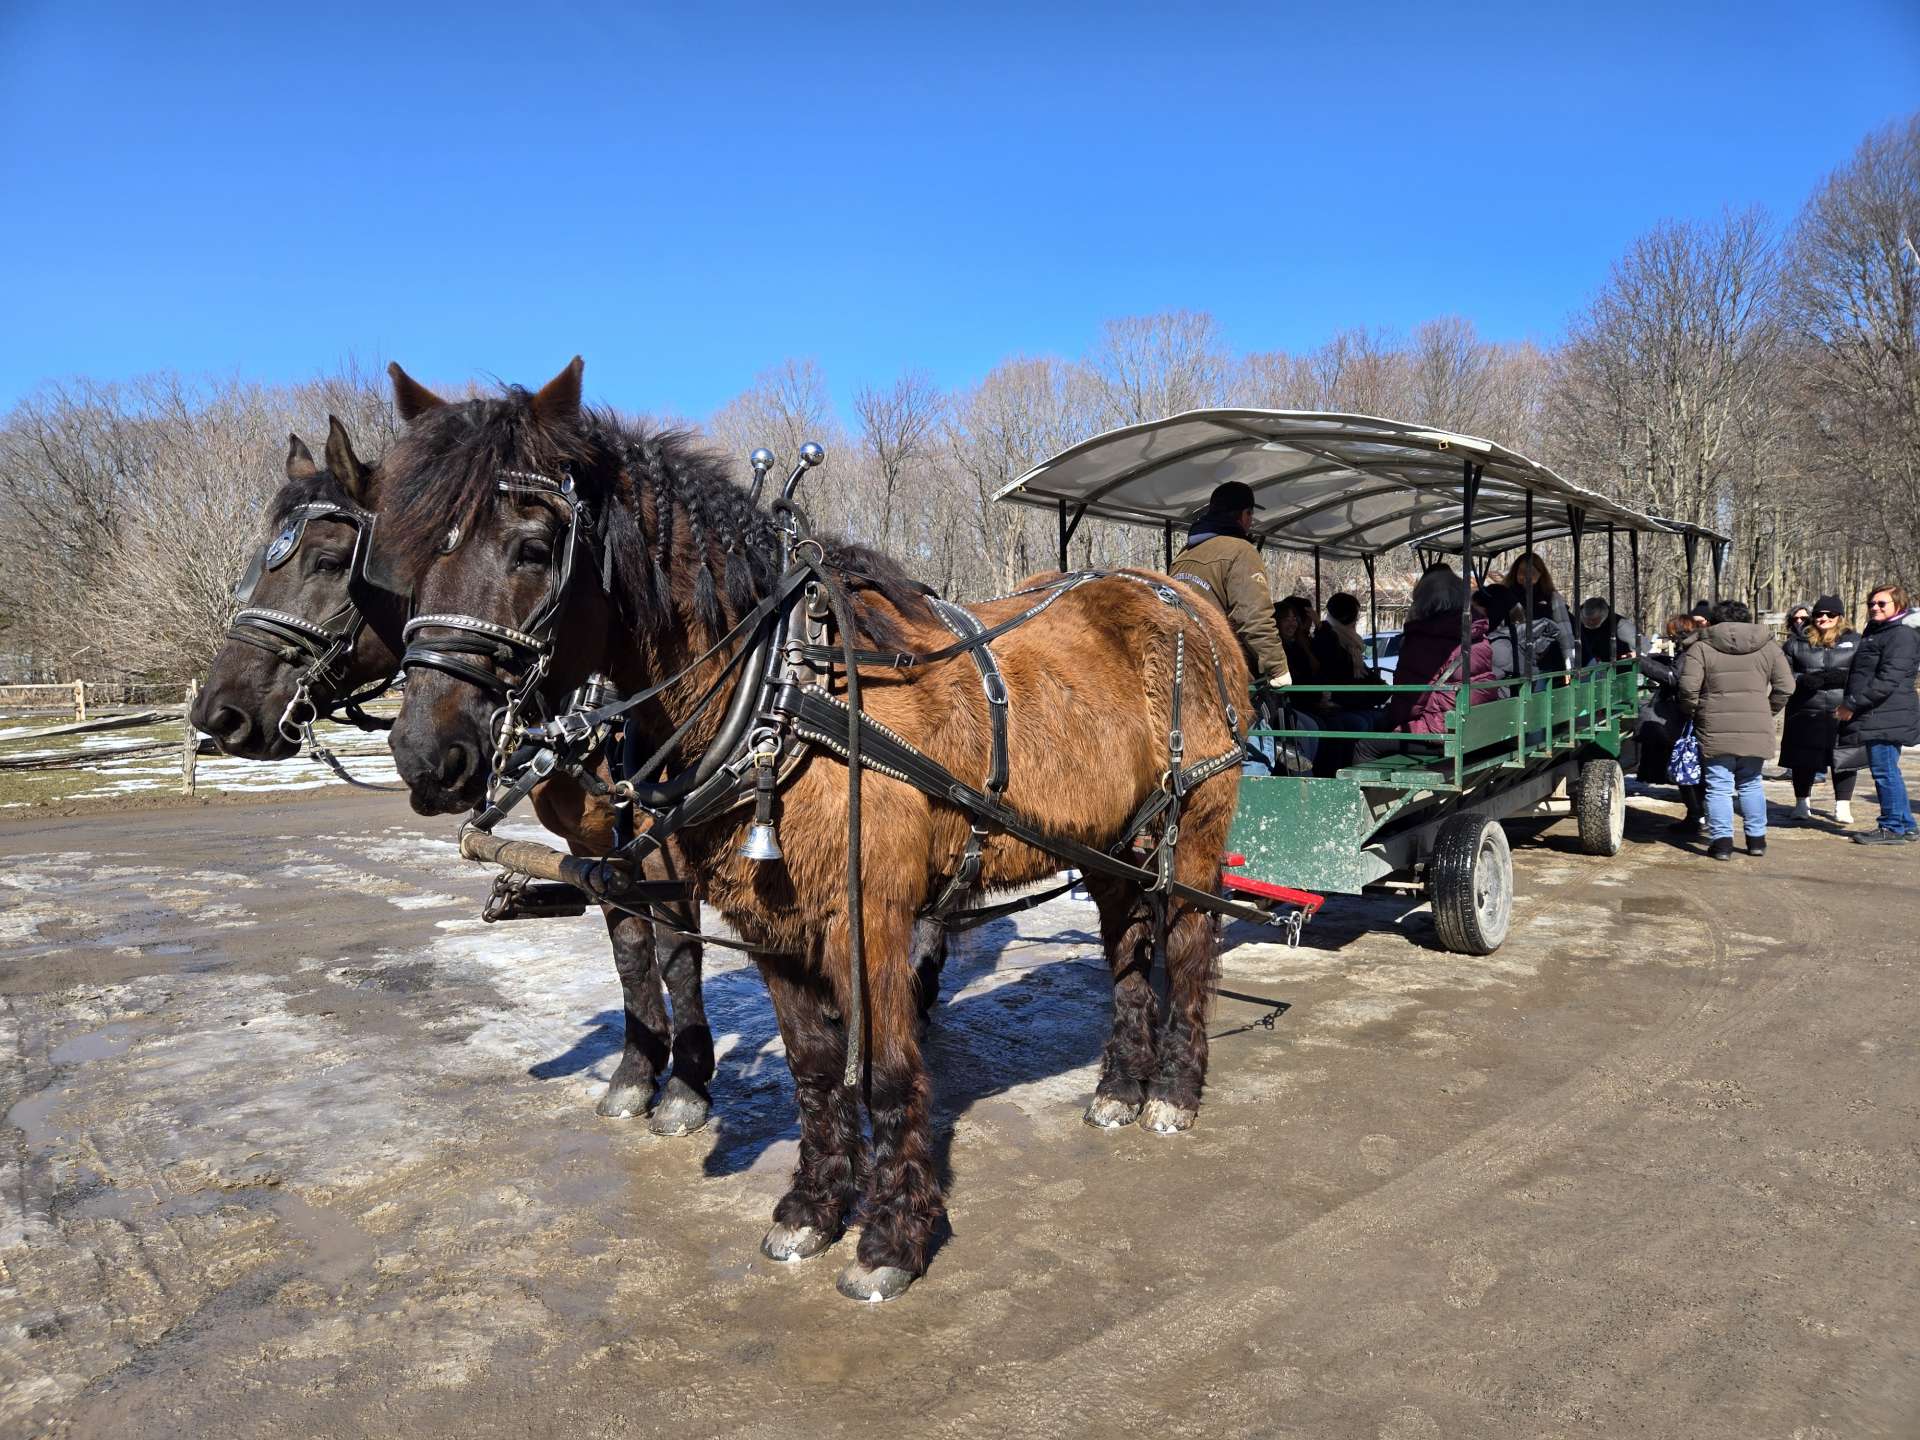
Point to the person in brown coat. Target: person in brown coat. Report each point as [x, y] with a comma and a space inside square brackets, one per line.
[1221, 560]
[1733, 681]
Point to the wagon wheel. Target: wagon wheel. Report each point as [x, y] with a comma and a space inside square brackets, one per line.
[1470, 878]
[1600, 801]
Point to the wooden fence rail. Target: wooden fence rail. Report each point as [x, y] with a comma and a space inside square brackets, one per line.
[77, 695]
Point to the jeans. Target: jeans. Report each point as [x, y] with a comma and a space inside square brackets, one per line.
[1269, 747]
[1724, 775]
[1895, 813]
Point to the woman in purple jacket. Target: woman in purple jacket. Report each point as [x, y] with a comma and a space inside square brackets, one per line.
[1430, 655]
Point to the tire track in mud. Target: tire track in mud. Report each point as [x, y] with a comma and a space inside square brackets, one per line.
[1156, 1347]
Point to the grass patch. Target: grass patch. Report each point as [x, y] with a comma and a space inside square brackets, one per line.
[157, 774]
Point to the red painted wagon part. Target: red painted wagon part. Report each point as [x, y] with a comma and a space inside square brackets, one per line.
[1267, 890]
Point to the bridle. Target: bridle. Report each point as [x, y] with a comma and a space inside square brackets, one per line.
[320, 647]
[520, 655]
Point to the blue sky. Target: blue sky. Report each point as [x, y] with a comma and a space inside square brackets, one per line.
[686, 198]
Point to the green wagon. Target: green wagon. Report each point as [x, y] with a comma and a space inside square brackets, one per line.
[1427, 815]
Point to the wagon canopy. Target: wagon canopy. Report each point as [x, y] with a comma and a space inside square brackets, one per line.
[1342, 486]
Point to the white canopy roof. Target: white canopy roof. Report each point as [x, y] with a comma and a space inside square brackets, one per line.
[1348, 486]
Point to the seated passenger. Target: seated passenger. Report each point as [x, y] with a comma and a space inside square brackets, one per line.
[1552, 627]
[1337, 647]
[1293, 617]
[1340, 657]
[1604, 635]
[1499, 608]
[1430, 655]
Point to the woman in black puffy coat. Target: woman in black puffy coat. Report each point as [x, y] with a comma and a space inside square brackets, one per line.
[1820, 653]
[1662, 719]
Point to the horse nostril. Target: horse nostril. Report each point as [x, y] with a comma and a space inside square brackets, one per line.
[456, 766]
[228, 724]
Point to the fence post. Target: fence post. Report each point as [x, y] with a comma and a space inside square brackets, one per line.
[79, 701]
[190, 744]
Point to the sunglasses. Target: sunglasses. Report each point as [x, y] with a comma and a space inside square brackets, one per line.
[1826, 614]
[1880, 604]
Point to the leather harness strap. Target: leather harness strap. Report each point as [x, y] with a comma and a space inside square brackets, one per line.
[966, 874]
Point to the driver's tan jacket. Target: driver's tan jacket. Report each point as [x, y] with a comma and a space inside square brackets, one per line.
[1229, 568]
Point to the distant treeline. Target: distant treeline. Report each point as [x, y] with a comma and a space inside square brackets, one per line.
[1756, 378]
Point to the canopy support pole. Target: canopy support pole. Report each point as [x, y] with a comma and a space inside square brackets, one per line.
[1633, 564]
[1373, 609]
[1719, 563]
[1464, 699]
[1169, 547]
[1531, 567]
[1690, 542]
[1610, 533]
[1067, 527]
[1316, 582]
[1577, 524]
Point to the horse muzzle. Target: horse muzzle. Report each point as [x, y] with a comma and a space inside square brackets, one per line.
[444, 778]
[238, 727]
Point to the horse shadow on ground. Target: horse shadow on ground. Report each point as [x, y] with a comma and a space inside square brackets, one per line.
[1015, 1010]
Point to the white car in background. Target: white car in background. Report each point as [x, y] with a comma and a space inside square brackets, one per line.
[1383, 652]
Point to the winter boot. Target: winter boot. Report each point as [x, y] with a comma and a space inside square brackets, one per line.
[1756, 845]
[1721, 849]
[1843, 811]
[1802, 810]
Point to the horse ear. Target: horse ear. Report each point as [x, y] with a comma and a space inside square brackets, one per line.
[343, 463]
[300, 464]
[410, 397]
[559, 399]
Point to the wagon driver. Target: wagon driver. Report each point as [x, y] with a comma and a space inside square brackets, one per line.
[1220, 559]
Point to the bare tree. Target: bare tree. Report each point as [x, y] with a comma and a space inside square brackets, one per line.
[900, 433]
[1664, 374]
[1452, 375]
[1853, 299]
[1019, 414]
[1144, 367]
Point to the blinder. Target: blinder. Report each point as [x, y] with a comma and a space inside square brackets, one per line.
[286, 544]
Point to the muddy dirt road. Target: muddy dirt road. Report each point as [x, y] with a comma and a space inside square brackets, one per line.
[298, 1147]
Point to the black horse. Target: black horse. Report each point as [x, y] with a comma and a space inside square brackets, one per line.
[309, 637]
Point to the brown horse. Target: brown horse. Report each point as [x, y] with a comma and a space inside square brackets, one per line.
[301, 590]
[687, 555]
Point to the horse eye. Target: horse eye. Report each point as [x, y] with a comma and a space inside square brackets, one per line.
[534, 552]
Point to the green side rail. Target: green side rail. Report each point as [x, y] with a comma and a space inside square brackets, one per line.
[1314, 832]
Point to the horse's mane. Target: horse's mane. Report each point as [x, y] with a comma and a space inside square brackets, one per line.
[678, 527]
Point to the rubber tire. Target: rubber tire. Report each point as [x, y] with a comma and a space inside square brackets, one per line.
[1470, 881]
[1600, 804]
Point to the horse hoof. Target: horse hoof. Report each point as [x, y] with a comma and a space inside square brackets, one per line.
[679, 1115]
[1107, 1113]
[624, 1101]
[883, 1282]
[1163, 1117]
[788, 1243]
